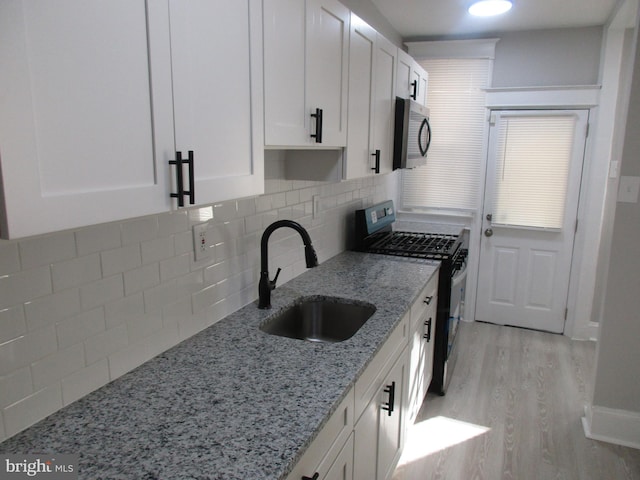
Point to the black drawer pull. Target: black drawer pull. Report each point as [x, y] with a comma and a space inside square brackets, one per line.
[414, 86]
[179, 162]
[315, 477]
[427, 335]
[427, 300]
[376, 169]
[391, 390]
[318, 117]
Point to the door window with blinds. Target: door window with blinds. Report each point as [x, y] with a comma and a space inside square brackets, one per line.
[451, 179]
[532, 159]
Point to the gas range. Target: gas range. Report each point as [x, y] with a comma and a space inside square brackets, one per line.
[446, 244]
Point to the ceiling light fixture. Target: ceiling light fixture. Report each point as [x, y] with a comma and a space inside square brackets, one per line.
[488, 8]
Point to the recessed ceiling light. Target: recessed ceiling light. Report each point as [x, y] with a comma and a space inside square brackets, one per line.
[488, 8]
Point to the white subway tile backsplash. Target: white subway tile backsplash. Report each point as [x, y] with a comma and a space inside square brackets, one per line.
[9, 257]
[79, 309]
[24, 285]
[26, 349]
[84, 381]
[119, 310]
[139, 230]
[121, 259]
[103, 344]
[141, 326]
[171, 223]
[157, 250]
[98, 238]
[175, 266]
[100, 292]
[76, 329]
[12, 323]
[15, 386]
[44, 250]
[31, 409]
[50, 369]
[76, 272]
[141, 278]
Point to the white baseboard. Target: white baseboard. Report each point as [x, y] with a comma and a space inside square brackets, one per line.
[620, 427]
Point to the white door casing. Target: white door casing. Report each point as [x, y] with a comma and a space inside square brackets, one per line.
[525, 251]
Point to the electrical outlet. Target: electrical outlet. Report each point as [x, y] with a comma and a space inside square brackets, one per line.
[200, 242]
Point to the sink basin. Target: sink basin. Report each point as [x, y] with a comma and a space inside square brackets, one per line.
[320, 319]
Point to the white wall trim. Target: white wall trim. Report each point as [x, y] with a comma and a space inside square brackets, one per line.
[620, 427]
[480, 48]
[578, 96]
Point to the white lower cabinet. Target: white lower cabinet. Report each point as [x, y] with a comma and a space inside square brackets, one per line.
[421, 344]
[364, 438]
[379, 432]
[330, 456]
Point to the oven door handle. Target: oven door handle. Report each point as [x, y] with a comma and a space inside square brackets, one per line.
[460, 277]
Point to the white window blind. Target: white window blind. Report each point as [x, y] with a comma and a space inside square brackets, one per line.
[531, 175]
[451, 178]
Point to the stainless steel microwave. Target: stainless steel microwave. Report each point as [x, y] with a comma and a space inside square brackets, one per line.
[412, 135]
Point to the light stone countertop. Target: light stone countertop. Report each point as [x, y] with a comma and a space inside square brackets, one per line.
[232, 402]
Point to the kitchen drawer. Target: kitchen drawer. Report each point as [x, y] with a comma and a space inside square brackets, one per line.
[327, 447]
[370, 381]
[426, 299]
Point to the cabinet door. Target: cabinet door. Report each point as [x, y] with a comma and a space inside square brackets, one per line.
[287, 120]
[362, 71]
[217, 95]
[391, 430]
[412, 79]
[384, 101]
[327, 56]
[404, 74]
[76, 134]
[379, 434]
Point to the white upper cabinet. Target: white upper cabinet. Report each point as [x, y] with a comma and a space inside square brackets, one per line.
[412, 79]
[210, 88]
[305, 73]
[384, 101]
[76, 137]
[372, 72]
[90, 92]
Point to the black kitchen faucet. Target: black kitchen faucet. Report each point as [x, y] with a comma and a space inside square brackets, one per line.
[266, 285]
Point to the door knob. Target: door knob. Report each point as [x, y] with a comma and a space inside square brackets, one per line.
[488, 232]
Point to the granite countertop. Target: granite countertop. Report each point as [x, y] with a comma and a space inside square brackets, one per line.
[232, 402]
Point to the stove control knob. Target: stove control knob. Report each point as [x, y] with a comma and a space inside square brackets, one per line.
[488, 232]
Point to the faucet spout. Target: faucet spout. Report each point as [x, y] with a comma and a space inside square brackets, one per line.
[266, 285]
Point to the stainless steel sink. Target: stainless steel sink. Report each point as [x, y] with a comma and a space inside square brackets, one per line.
[320, 319]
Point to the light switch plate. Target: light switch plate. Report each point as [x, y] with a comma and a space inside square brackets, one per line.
[200, 241]
[628, 189]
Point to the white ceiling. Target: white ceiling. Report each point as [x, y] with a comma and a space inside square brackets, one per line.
[420, 18]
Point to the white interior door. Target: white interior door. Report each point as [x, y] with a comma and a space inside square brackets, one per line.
[531, 199]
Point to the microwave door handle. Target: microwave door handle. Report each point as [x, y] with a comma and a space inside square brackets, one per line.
[423, 151]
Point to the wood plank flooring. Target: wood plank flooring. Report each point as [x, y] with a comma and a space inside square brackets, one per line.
[513, 411]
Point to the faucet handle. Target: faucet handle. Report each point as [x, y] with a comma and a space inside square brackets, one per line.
[275, 279]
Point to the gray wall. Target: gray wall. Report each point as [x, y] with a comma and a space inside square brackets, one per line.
[548, 57]
[618, 365]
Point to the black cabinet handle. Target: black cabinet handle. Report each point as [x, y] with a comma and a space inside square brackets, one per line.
[427, 335]
[427, 300]
[414, 86]
[376, 169]
[315, 477]
[391, 390]
[318, 117]
[181, 193]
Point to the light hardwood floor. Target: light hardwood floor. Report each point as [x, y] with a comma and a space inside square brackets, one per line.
[513, 411]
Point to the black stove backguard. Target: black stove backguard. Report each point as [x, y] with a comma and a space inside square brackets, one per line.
[375, 234]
